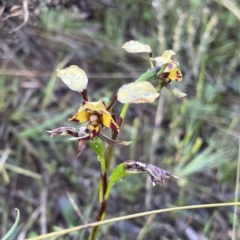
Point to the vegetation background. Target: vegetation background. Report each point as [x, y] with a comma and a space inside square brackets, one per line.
[195, 138]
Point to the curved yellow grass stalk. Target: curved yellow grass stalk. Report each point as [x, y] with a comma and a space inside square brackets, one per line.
[69, 230]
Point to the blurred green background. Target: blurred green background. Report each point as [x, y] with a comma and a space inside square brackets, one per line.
[195, 138]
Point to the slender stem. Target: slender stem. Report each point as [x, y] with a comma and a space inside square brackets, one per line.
[142, 214]
[109, 152]
[123, 114]
[108, 191]
[105, 191]
[151, 63]
[103, 207]
[104, 188]
[103, 179]
[150, 74]
[100, 217]
[84, 95]
[112, 103]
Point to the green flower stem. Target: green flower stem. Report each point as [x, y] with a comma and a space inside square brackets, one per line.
[108, 191]
[123, 114]
[100, 217]
[100, 189]
[103, 165]
[161, 85]
[151, 63]
[97, 228]
[109, 151]
[98, 147]
[150, 74]
[103, 181]
[104, 188]
[109, 187]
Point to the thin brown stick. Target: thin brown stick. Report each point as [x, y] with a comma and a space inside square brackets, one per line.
[25, 16]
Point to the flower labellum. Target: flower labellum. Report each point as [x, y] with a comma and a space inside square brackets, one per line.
[173, 75]
[64, 131]
[80, 134]
[170, 73]
[97, 116]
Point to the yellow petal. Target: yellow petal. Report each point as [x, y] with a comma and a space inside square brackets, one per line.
[173, 64]
[74, 77]
[109, 122]
[98, 106]
[137, 92]
[159, 61]
[168, 54]
[82, 116]
[174, 75]
[136, 47]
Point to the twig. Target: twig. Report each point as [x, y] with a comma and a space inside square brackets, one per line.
[29, 223]
[43, 215]
[25, 16]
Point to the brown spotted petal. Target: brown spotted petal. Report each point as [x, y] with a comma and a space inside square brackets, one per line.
[133, 166]
[64, 131]
[157, 175]
[113, 143]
